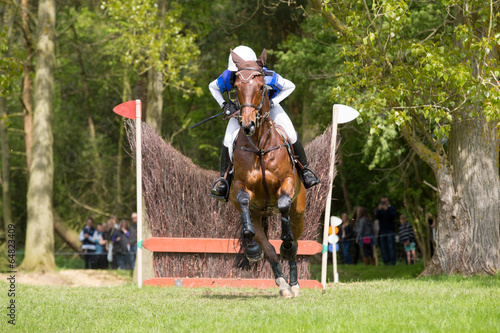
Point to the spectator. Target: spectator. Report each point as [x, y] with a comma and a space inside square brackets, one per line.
[407, 238]
[346, 236]
[103, 241]
[87, 237]
[116, 225]
[120, 246]
[355, 228]
[376, 228]
[133, 239]
[432, 238]
[99, 250]
[365, 235]
[111, 251]
[386, 215]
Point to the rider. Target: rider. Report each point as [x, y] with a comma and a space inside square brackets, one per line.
[280, 88]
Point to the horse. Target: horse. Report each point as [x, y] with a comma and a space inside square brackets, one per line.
[265, 180]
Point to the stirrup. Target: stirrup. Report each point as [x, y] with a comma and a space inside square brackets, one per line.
[221, 198]
[315, 182]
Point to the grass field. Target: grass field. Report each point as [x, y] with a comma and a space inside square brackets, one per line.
[398, 304]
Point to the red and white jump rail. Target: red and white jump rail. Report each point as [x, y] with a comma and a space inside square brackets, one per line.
[220, 246]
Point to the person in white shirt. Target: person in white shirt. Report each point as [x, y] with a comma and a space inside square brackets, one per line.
[279, 89]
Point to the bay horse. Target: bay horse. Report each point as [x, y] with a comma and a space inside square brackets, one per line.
[266, 180]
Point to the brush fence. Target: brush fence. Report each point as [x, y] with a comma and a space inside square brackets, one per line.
[182, 216]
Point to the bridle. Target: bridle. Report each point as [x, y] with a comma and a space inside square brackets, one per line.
[255, 72]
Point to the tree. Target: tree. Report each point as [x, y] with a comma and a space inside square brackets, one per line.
[27, 81]
[10, 68]
[429, 71]
[40, 230]
[154, 40]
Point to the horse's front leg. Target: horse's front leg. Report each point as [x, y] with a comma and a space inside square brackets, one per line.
[280, 278]
[288, 250]
[297, 224]
[253, 250]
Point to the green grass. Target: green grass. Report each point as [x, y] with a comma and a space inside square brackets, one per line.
[360, 272]
[440, 304]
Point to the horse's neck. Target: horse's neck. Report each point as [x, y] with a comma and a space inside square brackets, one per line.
[263, 132]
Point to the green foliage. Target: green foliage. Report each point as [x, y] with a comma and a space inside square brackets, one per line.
[10, 66]
[312, 61]
[406, 64]
[150, 35]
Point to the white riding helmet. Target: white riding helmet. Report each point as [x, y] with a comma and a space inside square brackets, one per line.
[245, 53]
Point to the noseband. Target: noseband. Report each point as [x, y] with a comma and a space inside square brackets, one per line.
[255, 72]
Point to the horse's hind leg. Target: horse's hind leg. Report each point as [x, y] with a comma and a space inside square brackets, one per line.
[253, 250]
[261, 237]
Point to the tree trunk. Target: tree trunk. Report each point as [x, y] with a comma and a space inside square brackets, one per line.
[155, 99]
[6, 198]
[40, 230]
[27, 83]
[7, 19]
[468, 230]
[68, 235]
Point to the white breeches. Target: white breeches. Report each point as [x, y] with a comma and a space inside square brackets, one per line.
[278, 115]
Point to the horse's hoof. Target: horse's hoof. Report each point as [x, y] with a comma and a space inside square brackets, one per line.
[296, 291]
[284, 288]
[253, 252]
[288, 252]
[255, 258]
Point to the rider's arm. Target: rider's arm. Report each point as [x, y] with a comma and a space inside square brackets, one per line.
[215, 91]
[287, 88]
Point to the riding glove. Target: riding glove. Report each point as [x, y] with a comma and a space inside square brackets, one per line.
[229, 108]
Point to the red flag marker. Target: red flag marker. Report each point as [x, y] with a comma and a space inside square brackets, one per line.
[133, 110]
[127, 110]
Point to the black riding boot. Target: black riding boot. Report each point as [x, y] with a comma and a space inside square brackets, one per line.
[309, 178]
[220, 189]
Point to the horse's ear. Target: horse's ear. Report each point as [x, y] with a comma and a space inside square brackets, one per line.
[262, 58]
[236, 58]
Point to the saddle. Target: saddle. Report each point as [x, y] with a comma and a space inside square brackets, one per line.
[227, 178]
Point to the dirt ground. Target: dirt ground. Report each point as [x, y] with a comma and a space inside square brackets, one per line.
[70, 277]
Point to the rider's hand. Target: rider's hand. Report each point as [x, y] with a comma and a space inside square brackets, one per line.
[271, 104]
[229, 108]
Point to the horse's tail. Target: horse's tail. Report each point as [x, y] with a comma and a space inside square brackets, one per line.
[241, 260]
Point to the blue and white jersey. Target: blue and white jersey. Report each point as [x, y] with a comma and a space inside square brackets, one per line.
[279, 88]
[224, 81]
